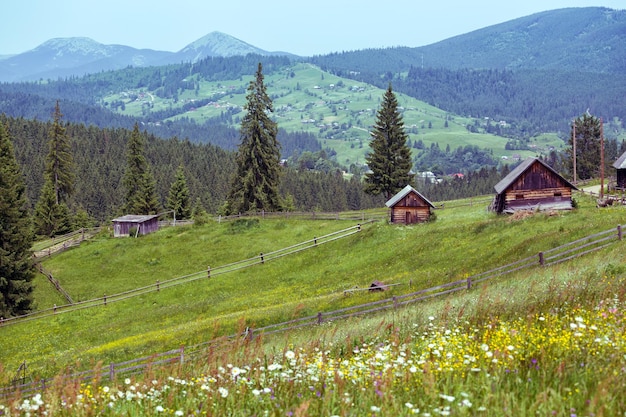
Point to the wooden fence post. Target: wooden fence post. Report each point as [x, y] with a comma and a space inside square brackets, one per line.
[111, 371]
[158, 286]
[541, 259]
[314, 241]
[319, 318]
[182, 355]
[262, 259]
[358, 227]
[469, 283]
[619, 232]
[395, 302]
[105, 299]
[208, 271]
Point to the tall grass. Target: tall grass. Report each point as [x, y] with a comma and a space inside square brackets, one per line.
[462, 241]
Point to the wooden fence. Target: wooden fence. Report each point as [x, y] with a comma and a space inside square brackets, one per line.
[553, 256]
[208, 273]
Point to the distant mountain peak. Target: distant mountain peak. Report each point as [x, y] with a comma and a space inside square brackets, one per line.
[75, 44]
[218, 44]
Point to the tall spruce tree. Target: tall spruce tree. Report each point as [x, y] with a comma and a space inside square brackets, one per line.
[138, 181]
[16, 235]
[255, 186]
[390, 158]
[588, 130]
[52, 214]
[178, 198]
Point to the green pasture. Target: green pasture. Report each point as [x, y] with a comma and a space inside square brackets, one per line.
[339, 112]
[465, 239]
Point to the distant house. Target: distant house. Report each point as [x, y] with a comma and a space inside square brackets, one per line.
[620, 166]
[532, 185]
[408, 207]
[138, 224]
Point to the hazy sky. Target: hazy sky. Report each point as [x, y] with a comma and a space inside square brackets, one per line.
[301, 27]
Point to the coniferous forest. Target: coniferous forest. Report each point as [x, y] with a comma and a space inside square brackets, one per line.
[100, 163]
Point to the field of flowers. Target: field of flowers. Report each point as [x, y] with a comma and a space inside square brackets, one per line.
[570, 361]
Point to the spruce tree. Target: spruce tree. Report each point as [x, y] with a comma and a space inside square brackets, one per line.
[59, 161]
[255, 186]
[16, 236]
[588, 131]
[138, 181]
[52, 214]
[178, 198]
[390, 159]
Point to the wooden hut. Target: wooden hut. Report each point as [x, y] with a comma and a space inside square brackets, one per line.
[532, 185]
[620, 167]
[138, 224]
[408, 207]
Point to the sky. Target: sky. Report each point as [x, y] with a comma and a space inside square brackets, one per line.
[304, 28]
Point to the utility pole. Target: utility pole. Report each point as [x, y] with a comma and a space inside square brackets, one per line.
[574, 147]
[601, 159]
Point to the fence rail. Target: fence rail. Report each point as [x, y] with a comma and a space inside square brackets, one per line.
[160, 285]
[559, 254]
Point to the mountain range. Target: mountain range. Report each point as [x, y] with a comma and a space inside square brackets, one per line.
[588, 39]
[77, 56]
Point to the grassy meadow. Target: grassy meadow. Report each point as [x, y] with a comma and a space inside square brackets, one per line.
[340, 112]
[547, 341]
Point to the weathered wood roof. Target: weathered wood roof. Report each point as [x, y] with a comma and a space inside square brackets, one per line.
[621, 162]
[403, 193]
[507, 181]
[135, 218]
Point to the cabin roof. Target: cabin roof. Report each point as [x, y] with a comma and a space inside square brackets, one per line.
[507, 181]
[135, 218]
[403, 193]
[621, 162]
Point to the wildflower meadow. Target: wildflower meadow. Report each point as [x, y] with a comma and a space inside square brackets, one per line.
[568, 362]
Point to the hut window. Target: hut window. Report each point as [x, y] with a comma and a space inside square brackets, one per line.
[557, 194]
[519, 196]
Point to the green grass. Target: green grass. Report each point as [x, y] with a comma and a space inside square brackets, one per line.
[502, 314]
[462, 241]
[333, 104]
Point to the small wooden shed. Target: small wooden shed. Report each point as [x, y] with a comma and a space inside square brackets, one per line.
[532, 185]
[408, 206]
[140, 224]
[620, 167]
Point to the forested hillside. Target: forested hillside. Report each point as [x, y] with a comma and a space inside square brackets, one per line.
[99, 155]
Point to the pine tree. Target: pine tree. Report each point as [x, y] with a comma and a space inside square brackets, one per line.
[255, 186]
[390, 159]
[52, 214]
[588, 131]
[178, 198]
[51, 218]
[16, 236]
[59, 161]
[138, 181]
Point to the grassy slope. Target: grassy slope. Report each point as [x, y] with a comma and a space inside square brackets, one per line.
[464, 240]
[312, 94]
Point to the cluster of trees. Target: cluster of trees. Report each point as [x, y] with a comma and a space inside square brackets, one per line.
[450, 161]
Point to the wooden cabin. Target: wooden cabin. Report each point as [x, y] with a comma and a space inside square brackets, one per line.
[138, 224]
[532, 185]
[408, 207]
[620, 167]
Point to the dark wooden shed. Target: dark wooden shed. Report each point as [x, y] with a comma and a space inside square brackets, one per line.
[140, 224]
[620, 167]
[532, 185]
[408, 206]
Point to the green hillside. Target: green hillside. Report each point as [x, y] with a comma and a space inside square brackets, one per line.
[464, 240]
[338, 111]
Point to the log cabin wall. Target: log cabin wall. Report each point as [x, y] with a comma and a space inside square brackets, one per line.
[411, 209]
